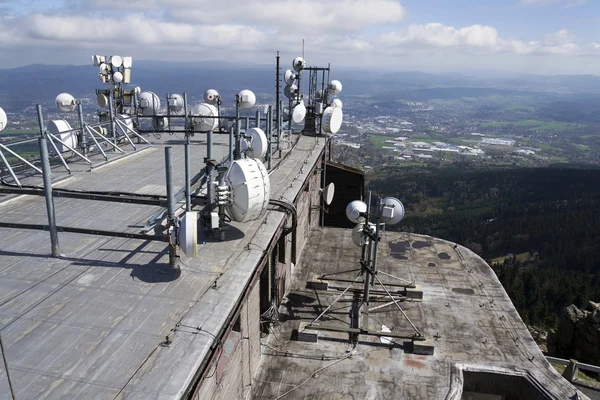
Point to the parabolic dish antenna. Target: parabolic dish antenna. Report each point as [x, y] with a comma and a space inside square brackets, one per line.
[127, 62]
[175, 103]
[290, 91]
[392, 211]
[354, 209]
[335, 87]
[188, 234]
[3, 119]
[247, 99]
[337, 103]
[97, 60]
[358, 236]
[116, 61]
[206, 124]
[299, 113]
[160, 123]
[331, 121]
[250, 189]
[117, 77]
[298, 64]
[259, 143]
[62, 130]
[137, 90]
[102, 100]
[289, 77]
[65, 102]
[328, 193]
[211, 96]
[149, 103]
[103, 67]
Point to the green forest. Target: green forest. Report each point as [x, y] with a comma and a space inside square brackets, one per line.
[538, 228]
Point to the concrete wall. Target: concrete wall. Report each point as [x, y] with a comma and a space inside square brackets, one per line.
[229, 375]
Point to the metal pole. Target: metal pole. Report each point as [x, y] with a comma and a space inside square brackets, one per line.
[209, 166]
[258, 119]
[280, 124]
[237, 152]
[270, 135]
[376, 246]
[247, 123]
[81, 134]
[12, 392]
[231, 145]
[111, 111]
[171, 220]
[188, 188]
[48, 194]
[324, 180]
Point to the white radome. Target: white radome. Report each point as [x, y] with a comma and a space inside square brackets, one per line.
[250, 189]
[65, 102]
[354, 209]
[247, 99]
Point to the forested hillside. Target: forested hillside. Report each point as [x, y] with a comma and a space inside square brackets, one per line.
[540, 228]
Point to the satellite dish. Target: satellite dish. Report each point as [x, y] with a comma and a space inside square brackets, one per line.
[127, 62]
[149, 103]
[290, 91]
[137, 90]
[392, 211]
[117, 77]
[299, 64]
[188, 234]
[65, 102]
[116, 61]
[211, 96]
[206, 124]
[175, 103]
[289, 77]
[354, 209]
[259, 143]
[328, 193]
[3, 119]
[62, 130]
[299, 113]
[337, 103]
[103, 67]
[358, 233]
[247, 99]
[102, 100]
[331, 121]
[250, 189]
[160, 123]
[334, 87]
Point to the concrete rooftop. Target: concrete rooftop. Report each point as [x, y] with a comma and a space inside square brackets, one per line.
[465, 312]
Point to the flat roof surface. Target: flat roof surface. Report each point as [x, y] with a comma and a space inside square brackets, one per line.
[92, 324]
[465, 312]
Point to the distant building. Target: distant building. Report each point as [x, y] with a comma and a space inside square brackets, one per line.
[498, 142]
[477, 134]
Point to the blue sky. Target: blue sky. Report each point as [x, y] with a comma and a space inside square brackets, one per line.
[530, 36]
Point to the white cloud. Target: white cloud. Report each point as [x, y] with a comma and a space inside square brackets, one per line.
[563, 3]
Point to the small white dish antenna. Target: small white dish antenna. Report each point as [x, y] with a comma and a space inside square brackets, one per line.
[117, 77]
[358, 233]
[299, 113]
[97, 60]
[102, 99]
[247, 99]
[62, 129]
[289, 77]
[250, 189]
[290, 91]
[188, 234]
[127, 62]
[3, 119]
[160, 123]
[211, 96]
[332, 118]
[65, 102]
[116, 61]
[175, 103]
[206, 124]
[137, 90]
[298, 64]
[354, 209]
[103, 67]
[334, 87]
[149, 103]
[259, 145]
[392, 211]
[337, 103]
[328, 193]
